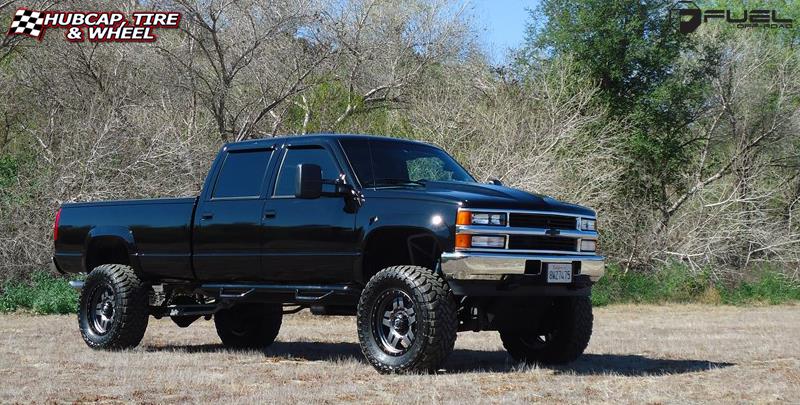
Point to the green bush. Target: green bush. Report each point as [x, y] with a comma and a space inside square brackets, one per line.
[771, 287]
[677, 283]
[43, 294]
[672, 284]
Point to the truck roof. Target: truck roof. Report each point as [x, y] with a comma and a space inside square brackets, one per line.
[280, 139]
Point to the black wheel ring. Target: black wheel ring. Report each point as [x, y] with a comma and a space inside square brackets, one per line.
[101, 309]
[394, 322]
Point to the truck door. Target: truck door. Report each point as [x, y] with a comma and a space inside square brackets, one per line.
[227, 232]
[307, 240]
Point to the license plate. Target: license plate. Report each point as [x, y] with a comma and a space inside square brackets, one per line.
[559, 272]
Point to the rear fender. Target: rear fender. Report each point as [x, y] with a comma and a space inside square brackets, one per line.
[119, 235]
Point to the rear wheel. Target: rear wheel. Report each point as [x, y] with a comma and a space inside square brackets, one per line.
[113, 310]
[406, 320]
[249, 326]
[563, 339]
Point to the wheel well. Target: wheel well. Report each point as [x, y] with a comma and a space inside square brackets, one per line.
[397, 246]
[106, 251]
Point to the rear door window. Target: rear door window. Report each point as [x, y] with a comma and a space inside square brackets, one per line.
[242, 174]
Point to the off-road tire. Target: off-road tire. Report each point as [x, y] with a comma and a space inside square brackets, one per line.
[127, 304]
[571, 319]
[434, 309]
[249, 326]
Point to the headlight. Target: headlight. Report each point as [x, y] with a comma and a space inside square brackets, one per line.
[588, 225]
[481, 218]
[588, 245]
[466, 241]
[482, 241]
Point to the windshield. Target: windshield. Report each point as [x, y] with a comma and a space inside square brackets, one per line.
[382, 163]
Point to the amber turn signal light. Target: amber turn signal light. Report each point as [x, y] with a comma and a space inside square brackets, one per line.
[463, 241]
[464, 218]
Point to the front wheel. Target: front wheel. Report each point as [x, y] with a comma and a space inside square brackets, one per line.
[406, 320]
[113, 310]
[565, 337]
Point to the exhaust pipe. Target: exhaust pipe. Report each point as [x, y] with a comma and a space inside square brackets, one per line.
[76, 284]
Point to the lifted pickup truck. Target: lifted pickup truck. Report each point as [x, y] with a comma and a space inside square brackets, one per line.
[392, 231]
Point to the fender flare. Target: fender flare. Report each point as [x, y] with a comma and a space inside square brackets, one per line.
[413, 231]
[117, 233]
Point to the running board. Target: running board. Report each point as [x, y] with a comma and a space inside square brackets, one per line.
[284, 293]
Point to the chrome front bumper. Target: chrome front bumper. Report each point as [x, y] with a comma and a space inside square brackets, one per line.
[493, 266]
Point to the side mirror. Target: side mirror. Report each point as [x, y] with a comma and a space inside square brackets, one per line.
[495, 181]
[309, 181]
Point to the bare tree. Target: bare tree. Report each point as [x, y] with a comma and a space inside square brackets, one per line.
[733, 211]
[244, 58]
[386, 46]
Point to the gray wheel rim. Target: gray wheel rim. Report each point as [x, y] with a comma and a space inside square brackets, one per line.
[395, 322]
[101, 309]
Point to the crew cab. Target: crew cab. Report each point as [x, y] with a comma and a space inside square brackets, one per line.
[393, 231]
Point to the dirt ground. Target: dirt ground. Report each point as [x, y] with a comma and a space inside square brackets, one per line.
[638, 354]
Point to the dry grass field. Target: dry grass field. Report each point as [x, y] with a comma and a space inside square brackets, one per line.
[638, 354]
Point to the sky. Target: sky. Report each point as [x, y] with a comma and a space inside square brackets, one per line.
[501, 24]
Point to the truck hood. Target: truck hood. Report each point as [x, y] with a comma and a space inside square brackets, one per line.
[479, 195]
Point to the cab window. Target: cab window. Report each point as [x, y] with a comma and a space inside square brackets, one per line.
[287, 177]
[242, 174]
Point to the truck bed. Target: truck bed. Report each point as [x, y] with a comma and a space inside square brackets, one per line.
[156, 231]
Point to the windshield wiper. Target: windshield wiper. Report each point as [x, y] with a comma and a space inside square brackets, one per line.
[398, 182]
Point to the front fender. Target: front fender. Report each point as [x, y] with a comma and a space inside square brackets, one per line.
[437, 220]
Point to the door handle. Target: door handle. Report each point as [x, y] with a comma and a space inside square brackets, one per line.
[206, 215]
[269, 214]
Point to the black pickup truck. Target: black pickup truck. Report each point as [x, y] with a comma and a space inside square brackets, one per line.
[392, 231]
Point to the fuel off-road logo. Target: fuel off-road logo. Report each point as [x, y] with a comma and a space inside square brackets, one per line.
[94, 26]
[689, 16]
